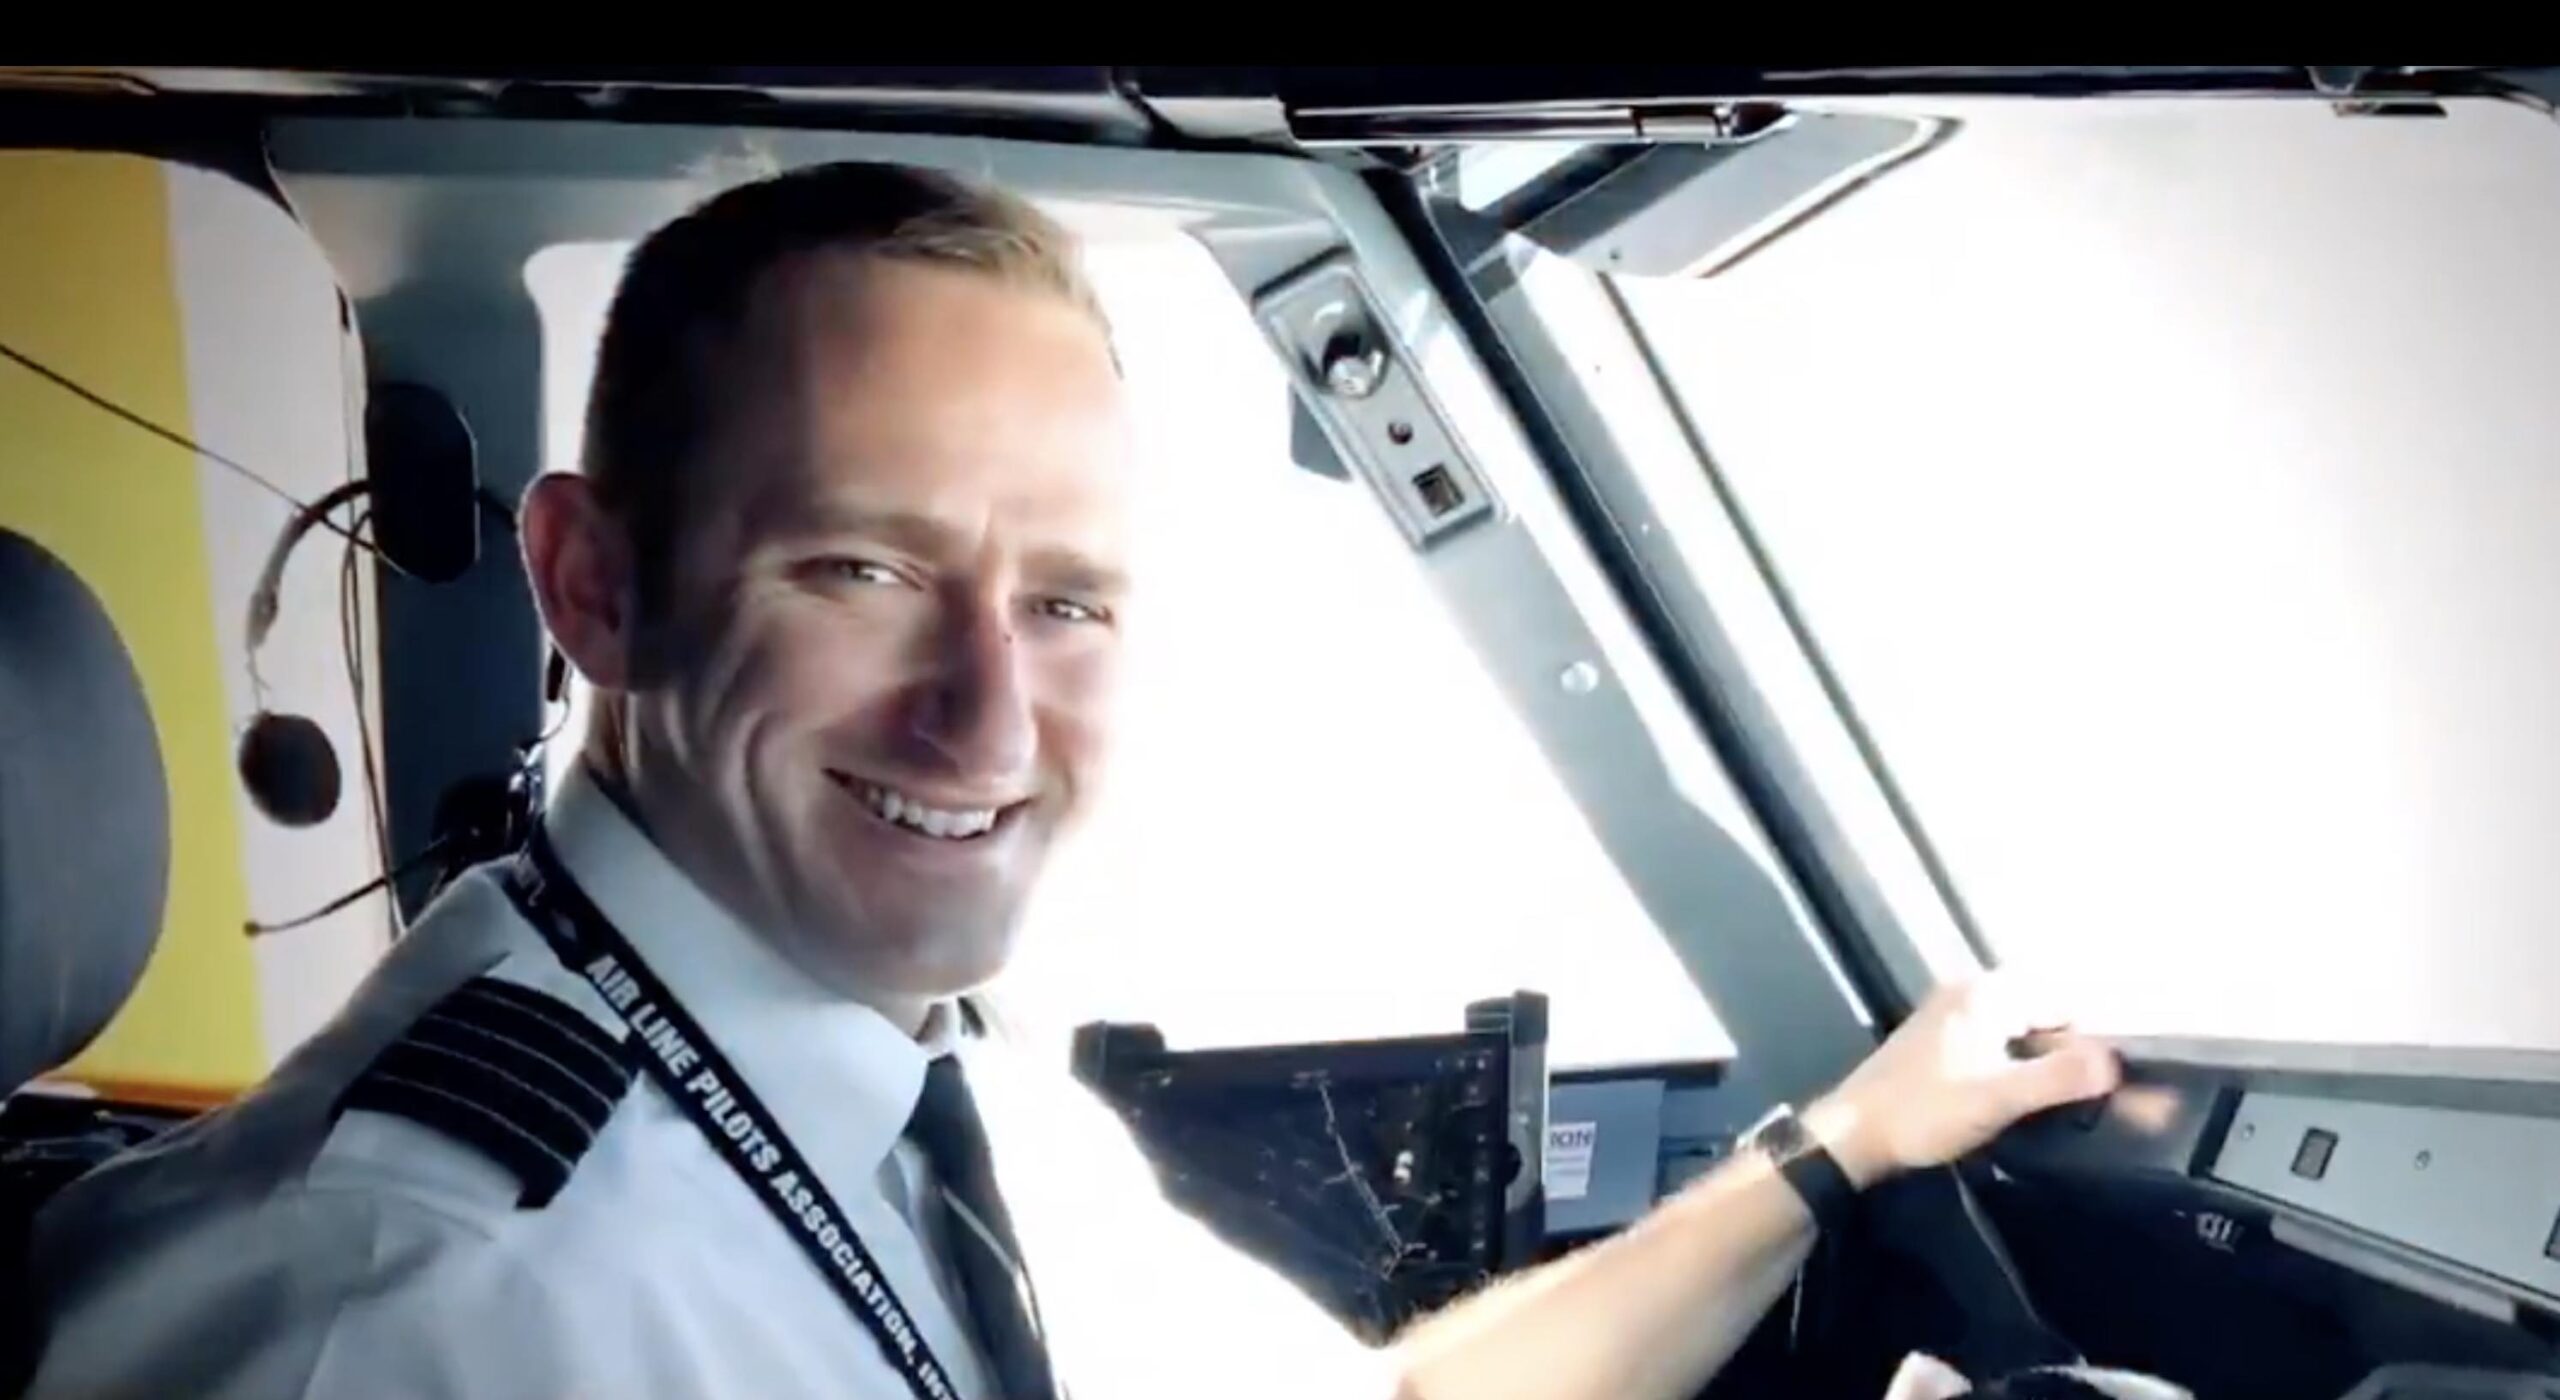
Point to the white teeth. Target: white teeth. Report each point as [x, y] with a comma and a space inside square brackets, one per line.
[949, 825]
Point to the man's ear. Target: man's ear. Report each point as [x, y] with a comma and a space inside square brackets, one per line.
[579, 558]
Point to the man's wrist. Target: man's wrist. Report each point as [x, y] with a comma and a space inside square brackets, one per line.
[1852, 1137]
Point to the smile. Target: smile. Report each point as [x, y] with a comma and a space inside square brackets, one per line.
[911, 813]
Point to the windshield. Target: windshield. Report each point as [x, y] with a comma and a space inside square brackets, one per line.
[2170, 489]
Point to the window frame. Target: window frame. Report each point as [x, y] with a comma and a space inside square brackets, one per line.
[1703, 588]
[2201, 1114]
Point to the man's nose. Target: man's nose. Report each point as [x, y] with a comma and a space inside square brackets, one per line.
[976, 709]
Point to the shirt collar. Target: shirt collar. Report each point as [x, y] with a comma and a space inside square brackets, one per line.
[841, 1077]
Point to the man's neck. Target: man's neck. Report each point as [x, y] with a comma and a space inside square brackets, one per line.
[911, 1015]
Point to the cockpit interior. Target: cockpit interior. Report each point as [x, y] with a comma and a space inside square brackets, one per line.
[1651, 571]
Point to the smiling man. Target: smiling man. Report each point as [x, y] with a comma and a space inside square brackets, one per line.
[690, 1098]
[864, 651]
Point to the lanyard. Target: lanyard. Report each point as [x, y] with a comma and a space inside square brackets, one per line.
[691, 1070]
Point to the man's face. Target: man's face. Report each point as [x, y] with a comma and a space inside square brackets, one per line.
[878, 691]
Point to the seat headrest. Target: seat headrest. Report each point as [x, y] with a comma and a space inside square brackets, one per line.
[84, 816]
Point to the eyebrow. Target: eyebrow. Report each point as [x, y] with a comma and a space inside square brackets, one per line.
[1076, 572]
[906, 529]
[1057, 566]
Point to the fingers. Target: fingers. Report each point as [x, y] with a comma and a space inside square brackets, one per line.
[2072, 1069]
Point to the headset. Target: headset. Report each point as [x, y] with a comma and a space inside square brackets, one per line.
[422, 478]
[424, 500]
[420, 493]
[286, 761]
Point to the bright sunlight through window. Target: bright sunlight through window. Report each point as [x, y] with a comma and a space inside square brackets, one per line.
[2172, 489]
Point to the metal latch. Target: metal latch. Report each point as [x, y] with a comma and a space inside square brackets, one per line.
[1362, 386]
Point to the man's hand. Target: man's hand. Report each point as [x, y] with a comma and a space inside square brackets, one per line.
[1656, 1309]
[1945, 1082]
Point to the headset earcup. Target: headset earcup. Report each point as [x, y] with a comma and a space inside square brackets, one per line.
[290, 769]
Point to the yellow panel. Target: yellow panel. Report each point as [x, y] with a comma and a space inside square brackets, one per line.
[87, 286]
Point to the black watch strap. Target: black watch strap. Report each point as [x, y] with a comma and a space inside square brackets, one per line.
[1808, 1167]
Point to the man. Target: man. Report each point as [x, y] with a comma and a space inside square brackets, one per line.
[686, 1100]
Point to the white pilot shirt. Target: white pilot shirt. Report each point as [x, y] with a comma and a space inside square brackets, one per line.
[272, 1248]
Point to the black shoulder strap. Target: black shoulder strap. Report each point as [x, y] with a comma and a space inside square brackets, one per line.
[523, 1077]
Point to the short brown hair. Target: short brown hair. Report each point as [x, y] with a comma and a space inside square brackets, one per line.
[647, 410]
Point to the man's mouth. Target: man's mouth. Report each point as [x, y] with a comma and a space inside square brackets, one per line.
[913, 814]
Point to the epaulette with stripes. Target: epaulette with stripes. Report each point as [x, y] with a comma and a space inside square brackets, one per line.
[524, 1078]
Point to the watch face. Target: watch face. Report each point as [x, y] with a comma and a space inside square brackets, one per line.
[1781, 1135]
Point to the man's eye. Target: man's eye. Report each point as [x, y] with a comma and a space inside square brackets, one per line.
[1069, 610]
[843, 569]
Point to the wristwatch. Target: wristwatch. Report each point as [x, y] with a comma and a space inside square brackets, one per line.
[1807, 1166]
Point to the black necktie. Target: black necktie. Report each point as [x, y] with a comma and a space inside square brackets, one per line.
[979, 1233]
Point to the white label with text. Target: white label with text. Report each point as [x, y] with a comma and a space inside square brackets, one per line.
[1569, 1159]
